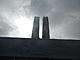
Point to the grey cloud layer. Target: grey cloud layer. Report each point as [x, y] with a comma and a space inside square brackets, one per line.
[9, 12]
[64, 15]
[5, 28]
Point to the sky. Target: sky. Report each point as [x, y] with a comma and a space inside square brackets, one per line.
[16, 17]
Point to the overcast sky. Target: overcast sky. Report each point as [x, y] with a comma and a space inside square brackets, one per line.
[64, 16]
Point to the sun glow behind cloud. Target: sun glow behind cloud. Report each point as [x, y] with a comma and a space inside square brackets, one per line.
[24, 26]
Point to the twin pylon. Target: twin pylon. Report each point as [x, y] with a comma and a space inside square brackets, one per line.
[45, 30]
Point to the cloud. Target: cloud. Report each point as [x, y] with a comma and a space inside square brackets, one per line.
[39, 7]
[10, 10]
[5, 27]
[64, 15]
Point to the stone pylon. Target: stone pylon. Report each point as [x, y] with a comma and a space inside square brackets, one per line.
[45, 30]
[35, 31]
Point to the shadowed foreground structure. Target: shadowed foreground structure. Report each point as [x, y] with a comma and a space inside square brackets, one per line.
[35, 48]
[45, 33]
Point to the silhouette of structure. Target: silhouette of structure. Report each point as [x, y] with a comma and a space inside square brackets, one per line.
[36, 47]
[35, 31]
[45, 32]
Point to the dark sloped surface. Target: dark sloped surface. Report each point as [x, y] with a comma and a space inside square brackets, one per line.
[26, 47]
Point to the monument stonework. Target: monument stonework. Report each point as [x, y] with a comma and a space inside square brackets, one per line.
[36, 47]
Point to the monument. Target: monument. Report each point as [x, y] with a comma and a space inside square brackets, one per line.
[35, 31]
[15, 47]
[45, 31]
